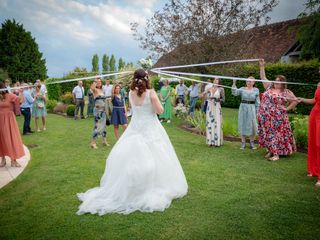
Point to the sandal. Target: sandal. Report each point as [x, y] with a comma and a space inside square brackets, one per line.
[274, 158]
[317, 183]
[15, 164]
[268, 155]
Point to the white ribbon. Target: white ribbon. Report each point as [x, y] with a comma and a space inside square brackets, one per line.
[72, 80]
[231, 78]
[206, 64]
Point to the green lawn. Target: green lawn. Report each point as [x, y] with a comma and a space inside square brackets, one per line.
[233, 194]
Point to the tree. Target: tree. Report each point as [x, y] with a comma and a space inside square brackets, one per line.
[19, 53]
[95, 63]
[112, 64]
[181, 23]
[309, 32]
[121, 64]
[105, 63]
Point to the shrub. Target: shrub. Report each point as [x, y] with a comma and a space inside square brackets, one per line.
[54, 90]
[60, 108]
[51, 104]
[67, 98]
[70, 110]
[198, 121]
[300, 131]
[181, 111]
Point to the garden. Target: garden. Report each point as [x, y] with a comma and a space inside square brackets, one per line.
[233, 194]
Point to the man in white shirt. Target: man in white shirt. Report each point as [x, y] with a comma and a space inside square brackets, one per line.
[181, 91]
[78, 98]
[107, 91]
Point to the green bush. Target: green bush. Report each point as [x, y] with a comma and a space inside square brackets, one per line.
[51, 104]
[303, 72]
[300, 131]
[54, 90]
[67, 98]
[198, 121]
[70, 110]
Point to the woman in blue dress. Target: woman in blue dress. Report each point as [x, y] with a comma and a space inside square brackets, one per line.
[119, 111]
[247, 117]
[39, 108]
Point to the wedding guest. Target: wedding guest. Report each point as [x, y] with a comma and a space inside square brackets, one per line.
[43, 87]
[215, 96]
[107, 91]
[123, 92]
[193, 94]
[180, 92]
[26, 108]
[90, 102]
[274, 130]
[165, 99]
[208, 86]
[247, 116]
[99, 113]
[10, 139]
[314, 135]
[17, 90]
[78, 98]
[119, 112]
[7, 85]
[39, 108]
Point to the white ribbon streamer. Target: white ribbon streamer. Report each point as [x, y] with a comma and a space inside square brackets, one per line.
[72, 80]
[232, 78]
[206, 64]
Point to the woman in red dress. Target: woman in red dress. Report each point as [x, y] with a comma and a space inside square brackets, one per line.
[274, 130]
[10, 139]
[314, 136]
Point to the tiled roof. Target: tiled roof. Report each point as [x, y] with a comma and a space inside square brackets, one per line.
[270, 42]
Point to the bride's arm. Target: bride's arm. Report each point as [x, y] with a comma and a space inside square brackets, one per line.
[157, 106]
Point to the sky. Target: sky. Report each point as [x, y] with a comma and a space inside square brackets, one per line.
[69, 32]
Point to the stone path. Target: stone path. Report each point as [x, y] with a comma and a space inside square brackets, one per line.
[8, 173]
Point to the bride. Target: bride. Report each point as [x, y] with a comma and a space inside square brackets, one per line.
[142, 172]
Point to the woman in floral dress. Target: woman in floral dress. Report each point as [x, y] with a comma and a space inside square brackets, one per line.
[39, 108]
[274, 128]
[215, 96]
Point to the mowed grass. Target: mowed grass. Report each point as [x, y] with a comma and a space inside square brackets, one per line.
[233, 194]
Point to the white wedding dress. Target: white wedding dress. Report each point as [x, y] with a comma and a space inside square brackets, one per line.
[142, 171]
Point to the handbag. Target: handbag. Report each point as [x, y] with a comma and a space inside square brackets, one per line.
[107, 121]
[40, 105]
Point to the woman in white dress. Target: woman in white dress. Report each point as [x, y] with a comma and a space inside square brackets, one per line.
[215, 96]
[142, 171]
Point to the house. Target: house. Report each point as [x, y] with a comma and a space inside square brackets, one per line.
[274, 42]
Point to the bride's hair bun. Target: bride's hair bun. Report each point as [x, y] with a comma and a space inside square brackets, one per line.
[140, 81]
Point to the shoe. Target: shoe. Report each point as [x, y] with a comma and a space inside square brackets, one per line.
[161, 120]
[94, 146]
[309, 175]
[106, 144]
[168, 121]
[26, 133]
[15, 164]
[31, 131]
[243, 145]
[317, 183]
[38, 130]
[44, 129]
[3, 162]
[274, 158]
[268, 155]
[252, 146]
